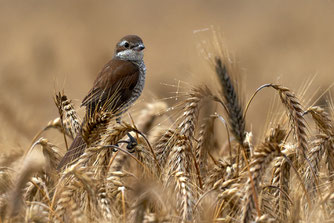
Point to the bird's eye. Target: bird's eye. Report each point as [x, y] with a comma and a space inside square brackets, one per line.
[126, 44]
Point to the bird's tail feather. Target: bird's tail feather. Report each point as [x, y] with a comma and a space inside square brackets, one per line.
[76, 149]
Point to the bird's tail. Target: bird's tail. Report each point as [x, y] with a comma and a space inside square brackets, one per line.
[76, 149]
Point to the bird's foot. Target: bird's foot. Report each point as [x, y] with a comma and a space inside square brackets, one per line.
[118, 120]
[131, 143]
[115, 149]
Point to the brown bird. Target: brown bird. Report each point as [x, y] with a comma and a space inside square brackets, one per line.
[118, 85]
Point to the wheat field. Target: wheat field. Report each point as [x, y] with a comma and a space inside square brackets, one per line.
[226, 137]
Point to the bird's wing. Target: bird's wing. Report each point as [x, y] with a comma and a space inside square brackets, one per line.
[113, 87]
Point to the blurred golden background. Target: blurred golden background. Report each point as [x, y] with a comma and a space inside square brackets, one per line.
[47, 46]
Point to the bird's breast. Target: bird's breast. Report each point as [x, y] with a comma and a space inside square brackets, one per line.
[141, 80]
[138, 89]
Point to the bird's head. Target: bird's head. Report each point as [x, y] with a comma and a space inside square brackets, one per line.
[130, 47]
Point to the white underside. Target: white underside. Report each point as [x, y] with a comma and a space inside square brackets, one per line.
[130, 55]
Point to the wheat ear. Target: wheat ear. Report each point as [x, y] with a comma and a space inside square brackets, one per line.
[322, 120]
[316, 153]
[231, 100]
[281, 180]
[204, 142]
[296, 115]
[68, 115]
[263, 155]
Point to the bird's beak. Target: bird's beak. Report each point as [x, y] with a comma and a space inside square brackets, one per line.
[140, 47]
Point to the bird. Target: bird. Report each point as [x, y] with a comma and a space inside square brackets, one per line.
[117, 86]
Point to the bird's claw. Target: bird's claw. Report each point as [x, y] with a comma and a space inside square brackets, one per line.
[115, 149]
[131, 143]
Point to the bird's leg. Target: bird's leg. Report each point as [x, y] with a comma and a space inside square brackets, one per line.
[118, 120]
[132, 142]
